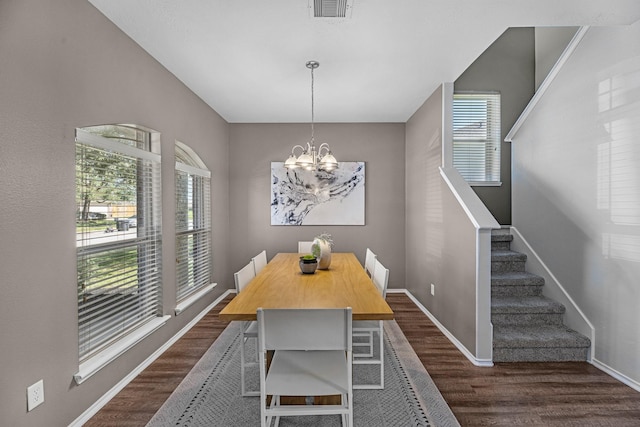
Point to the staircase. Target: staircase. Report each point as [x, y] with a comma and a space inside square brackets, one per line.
[527, 326]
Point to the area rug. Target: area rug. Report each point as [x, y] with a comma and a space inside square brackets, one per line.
[210, 394]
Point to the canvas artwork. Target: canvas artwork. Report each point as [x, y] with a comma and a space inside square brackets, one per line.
[302, 197]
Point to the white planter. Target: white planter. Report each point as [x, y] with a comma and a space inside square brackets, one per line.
[324, 253]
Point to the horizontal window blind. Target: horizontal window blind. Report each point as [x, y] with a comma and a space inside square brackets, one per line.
[476, 136]
[118, 235]
[193, 227]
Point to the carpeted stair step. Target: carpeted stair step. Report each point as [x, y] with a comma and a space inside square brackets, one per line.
[503, 261]
[532, 310]
[539, 343]
[516, 283]
[501, 241]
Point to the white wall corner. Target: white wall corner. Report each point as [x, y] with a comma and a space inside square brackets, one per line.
[484, 327]
[447, 125]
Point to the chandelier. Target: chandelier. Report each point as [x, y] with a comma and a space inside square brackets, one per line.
[312, 158]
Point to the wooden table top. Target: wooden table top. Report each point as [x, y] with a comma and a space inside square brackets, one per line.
[281, 285]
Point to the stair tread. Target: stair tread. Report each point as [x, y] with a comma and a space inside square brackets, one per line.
[515, 276]
[544, 336]
[525, 304]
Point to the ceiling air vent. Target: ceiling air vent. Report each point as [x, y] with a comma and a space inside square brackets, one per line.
[331, 8]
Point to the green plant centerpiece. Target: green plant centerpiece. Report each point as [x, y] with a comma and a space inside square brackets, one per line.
[321, 248]
[308, 264]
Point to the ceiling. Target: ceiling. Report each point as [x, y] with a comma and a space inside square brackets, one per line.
[246, 58]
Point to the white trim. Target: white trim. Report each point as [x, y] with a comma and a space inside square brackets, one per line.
[92, 365]
[617, 375]
[193, 170]
[93, 409]
[529, 251]
[84, 137]
[184, 304]
[566, 54]
[476, 211]
[449, 335]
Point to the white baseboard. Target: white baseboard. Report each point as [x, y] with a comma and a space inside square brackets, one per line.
[93, 409]
[445, 331]
[615, 374]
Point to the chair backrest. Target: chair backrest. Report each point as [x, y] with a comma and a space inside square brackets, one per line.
[381, 278]
[244, 276]
[304, 247]
[304, 328]
[259, 261]
[369, 262]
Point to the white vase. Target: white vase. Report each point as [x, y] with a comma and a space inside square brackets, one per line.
[324, 255]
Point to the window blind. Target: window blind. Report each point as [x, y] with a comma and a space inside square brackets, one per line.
[476, 136]
[118, 234]
[193, 226]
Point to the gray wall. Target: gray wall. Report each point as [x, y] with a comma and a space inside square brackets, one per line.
[381, 146]
[507, 66]
[577, 188]
[440, 240]
[550, 43]
[62, 66]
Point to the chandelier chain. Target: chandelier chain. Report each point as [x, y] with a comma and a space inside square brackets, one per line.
[312, 105]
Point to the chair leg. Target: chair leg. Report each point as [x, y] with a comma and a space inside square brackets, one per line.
[242, 385]
[243, 367]
[381, 346]
[379, 343]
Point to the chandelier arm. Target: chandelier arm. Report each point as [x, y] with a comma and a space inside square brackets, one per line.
[297, 146]
[324, 146]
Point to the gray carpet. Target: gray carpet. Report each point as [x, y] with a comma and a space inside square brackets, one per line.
[210, 394]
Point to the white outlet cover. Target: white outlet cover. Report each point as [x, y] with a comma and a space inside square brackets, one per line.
[35, 395]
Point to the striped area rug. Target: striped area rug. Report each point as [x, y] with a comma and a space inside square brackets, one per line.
[210, 394]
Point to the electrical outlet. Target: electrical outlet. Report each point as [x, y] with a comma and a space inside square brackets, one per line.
[35, 395]
[433, 289]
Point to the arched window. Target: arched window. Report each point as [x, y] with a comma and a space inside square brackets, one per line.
[118, 235]
[193, 223]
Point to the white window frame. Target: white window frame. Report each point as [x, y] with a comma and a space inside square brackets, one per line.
[110, 330]
[477, 137]
[193, 227]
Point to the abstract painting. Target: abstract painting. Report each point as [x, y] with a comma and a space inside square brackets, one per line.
[302, 197]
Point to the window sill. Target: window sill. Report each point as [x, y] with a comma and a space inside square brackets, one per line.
[183, 305]
[485, 183]
[102, 359]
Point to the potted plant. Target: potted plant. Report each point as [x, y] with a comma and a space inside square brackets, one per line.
[308, 264]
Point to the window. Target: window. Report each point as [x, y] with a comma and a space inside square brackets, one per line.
[193, 223]
[476, 137]
[118, 251]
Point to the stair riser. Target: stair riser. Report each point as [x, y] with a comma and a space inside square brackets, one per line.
[540, 354]
[500, 246]
[516, 291]
[526, 319]
[506, 266]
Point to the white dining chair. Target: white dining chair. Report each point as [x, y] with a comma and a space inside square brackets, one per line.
[369, 262]
[366, 332]
[312, 357]
[248, 330]
[259, 261]
[305, 247]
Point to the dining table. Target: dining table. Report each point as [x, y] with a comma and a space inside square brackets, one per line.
[281, 284]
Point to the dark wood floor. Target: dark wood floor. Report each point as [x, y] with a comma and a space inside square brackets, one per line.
[508, 394]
